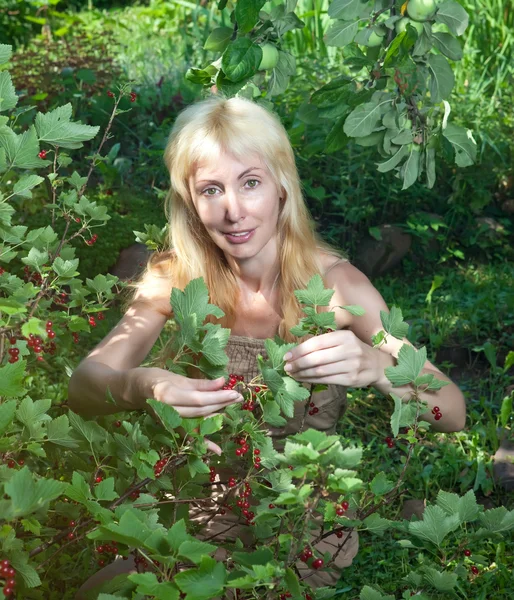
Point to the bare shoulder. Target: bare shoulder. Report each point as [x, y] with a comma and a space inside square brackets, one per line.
[155, 286]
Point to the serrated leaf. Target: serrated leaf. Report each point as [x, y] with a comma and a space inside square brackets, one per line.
[204, 582]
[410, 365]
[465, 507]
[194, 550]
[105, 490]
[271, 414]
[65, 268]
[177, 534]
[393, 323]
[19, 562]
[436, 525]
[7, 411]
[11, 375]
[241, 59]
[376, 524]
[368, 593]
[8, 97]
[21, 150]
[441, 581]
[57, 431]
[381, 485]
[90, 430]
[168, 415]
[498, 520]
[23, 186]
[28, 495]
[5, 53]
[55, 127]
[149, 585]
[315, 294]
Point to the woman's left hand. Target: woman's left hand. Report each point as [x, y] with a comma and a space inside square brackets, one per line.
[337, 357]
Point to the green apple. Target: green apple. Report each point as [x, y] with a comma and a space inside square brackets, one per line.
[376, 38]
[269, 57]
[401, 25]
[421, 10]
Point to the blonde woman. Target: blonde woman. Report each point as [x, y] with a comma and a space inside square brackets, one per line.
[238, 219]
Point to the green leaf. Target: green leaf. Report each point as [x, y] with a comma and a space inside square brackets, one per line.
[19, 562]
[410, 365]
[211, 424]
[177, 534]
[105, 490]
[77, 181]
[193, 300]
[28, 495]
[363, 119]
[505, 411]
[377, 524]
[497, 520]
[271, 414]
[395, 417]
[453, 16]
[148, 584]
[65, 268]
[393, 322]
[441, 581]
[346, 9]
[368, 593]
[410, 169]
[11, 376]
[283, 70]
[241, 59]
[218, 39]
[57, 431]
[465, 507]
[25, 184]
[55, 127]
[341, 33]
[447, 45]
[442, 78]
[78, 489]
[315, 294]
[436, 525]
[247, 13]
[8, 97]
[5, 53]
[167, 414]
[381, 485]
[194, 550]
[90, 430]
[7, 411]
[394, 161]
[354, 309]
[204, 582]
[463, 143]
[430, 167]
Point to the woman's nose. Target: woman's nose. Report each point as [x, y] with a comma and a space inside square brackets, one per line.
[233, 205]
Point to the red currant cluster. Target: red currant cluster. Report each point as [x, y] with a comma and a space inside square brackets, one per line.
[110, 94]
[49, 330]
[106, 549]
[244, 504]
[76, 337]
[232, 482]
[313, 409]
[11, 463]
[306, 555]
[232, 381]
[436, 411]
[8, 573]
[244, 447]
[159, 466]
[93, 239]
[212, 477]
[133, 96]
[142, 563]
[62, 298]
[389, 442]
[42, 154]
[284, 596]
[340, 510]
[33, 276]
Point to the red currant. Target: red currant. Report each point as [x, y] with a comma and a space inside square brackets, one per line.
[317, 564]
[474, 570]
[339, 534]
[340, 512]
[42, 154]
[110, 94]
[344, 505]
[99, 479]
[117, 423]
[467, 552]
[438, 416]
[271, 506]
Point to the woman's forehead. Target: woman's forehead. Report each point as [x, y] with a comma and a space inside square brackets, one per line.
[218, 165]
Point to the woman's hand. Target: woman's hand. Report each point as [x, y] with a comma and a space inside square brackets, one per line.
[337, 357]
[189, 397]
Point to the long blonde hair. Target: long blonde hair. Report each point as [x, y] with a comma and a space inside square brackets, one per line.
[202, 132]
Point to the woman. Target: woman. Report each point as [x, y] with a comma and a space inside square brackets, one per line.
[237, 219]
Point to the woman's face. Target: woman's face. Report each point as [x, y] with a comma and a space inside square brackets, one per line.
[234, 196]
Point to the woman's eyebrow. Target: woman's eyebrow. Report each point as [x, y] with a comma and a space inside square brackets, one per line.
[240, 176]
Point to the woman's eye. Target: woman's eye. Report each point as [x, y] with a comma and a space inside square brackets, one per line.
[210, 191]
[254, 181]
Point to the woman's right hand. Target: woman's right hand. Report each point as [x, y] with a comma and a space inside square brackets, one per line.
[189, 397]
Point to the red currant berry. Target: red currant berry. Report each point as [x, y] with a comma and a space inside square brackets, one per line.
[110, 94]
[436, 409]
[72, 524]
[49, 324]
[474, 570]
[256, 451]
[438, 416]
[71, 535]
[239, 452]
[317, 564]
[271, 506]
[8, 591]
[101, 563]
[340, 512]
[99, 479]
[42, 154]
[344, 505]
[10, 583]
[51, 334]
[117, 423]
[11, 464]
[257, 389]
[467, 552]
[339, 534]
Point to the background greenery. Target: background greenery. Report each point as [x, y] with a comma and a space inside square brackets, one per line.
[71, 51]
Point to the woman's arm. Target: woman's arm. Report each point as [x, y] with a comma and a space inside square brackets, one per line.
[356, 288]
